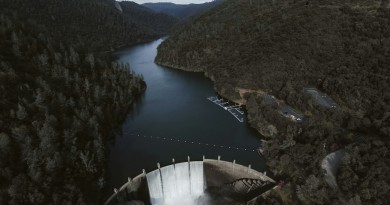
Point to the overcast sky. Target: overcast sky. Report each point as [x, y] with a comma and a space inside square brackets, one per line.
[173, 1]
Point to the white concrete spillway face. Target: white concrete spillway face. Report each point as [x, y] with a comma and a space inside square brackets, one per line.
[180, 183]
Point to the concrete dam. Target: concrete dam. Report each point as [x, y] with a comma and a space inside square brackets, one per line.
[194, 182]
[182, 182]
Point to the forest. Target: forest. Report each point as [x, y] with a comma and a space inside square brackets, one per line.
[281, 47]
[62, 98]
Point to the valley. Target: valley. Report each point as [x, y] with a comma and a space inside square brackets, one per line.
[268, 102]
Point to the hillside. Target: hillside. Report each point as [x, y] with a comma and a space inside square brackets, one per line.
[181, 11]
[77, 20]
[156, 23]
[253, 48]
[60, 103]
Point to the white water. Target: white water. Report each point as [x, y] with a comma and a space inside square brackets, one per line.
[181, 183]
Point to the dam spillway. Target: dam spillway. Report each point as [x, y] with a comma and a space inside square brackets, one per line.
[178, 183]
[195, 182]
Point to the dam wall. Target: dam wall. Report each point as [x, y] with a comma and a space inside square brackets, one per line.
[134, 189]
[182, 182]
[219, 172]
[187, 182]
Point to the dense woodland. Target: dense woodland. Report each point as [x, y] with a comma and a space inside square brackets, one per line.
[280, 47]
[61, 98]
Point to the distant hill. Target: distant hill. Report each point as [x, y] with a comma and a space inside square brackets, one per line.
[100, 23]
[147, 19]
[181, 11]
[250, 48]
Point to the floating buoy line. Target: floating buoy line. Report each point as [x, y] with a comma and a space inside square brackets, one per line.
[191, 142]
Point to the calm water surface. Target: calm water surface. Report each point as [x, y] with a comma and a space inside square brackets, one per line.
[175, 107]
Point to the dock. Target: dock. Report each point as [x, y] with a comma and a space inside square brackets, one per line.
[235, 110]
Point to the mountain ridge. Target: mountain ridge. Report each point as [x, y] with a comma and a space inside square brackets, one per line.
[84, 24]
[182, 11]
[158, 23]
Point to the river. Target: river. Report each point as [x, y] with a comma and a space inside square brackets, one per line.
[175, 107]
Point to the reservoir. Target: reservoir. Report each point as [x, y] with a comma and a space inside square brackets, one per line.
[175, 107]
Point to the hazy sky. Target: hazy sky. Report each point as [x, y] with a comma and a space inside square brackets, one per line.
[173, 1]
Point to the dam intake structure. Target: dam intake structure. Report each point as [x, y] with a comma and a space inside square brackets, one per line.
[194, 182]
